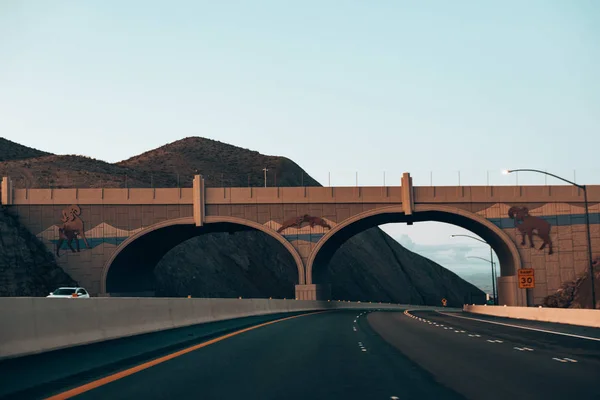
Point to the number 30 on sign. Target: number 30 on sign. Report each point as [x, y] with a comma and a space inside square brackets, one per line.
[526, 278]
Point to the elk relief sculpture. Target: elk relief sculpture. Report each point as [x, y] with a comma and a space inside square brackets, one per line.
[71, 228]
[527, 224]
[298, 221]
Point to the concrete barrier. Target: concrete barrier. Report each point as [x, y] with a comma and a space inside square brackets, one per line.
[572, 316]
[32, 325]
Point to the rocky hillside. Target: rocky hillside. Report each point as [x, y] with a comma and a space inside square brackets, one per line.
[221, 164]
[168, 166]
[578, 293]
[370, 266]
[26, 267]
[14, 151]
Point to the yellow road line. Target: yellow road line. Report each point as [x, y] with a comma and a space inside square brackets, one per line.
[122, 374]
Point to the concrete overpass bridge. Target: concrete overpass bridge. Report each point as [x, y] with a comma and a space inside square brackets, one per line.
[123, 233]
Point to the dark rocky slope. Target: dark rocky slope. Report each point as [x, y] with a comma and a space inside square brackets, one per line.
[577, 293]
[371, 266]
[27, 268]
[13, 151]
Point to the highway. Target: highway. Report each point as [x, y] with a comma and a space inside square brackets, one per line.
[363, 355]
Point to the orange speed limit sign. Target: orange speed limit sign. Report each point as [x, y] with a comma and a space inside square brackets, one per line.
[526, 278]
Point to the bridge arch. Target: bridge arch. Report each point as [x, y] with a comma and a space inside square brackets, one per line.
[164, 236]
[503, 245]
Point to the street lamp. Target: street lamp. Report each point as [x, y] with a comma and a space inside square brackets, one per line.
[265, 171]
[493, 278]
[587, 220]
[491, 263]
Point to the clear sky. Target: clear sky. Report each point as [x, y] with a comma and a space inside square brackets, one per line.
[337, 86]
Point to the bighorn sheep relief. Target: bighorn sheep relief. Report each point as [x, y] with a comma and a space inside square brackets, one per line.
[71, 228]
[527, 224]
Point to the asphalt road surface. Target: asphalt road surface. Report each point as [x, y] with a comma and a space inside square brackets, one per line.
[490, 360]
[368, 355]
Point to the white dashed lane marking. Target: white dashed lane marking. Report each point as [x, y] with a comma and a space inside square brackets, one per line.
[475, 335]
[523, 348]
[522, 327]
[564, 360]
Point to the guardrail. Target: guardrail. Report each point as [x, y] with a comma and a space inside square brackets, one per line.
[572, 316]
[35, 325]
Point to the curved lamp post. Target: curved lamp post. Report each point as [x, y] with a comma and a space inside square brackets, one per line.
[587, 220]
[491, 263]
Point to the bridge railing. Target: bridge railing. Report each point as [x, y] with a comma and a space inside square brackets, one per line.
[334, 177]
[453, 177]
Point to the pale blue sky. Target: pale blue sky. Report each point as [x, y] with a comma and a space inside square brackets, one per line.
[337, 86]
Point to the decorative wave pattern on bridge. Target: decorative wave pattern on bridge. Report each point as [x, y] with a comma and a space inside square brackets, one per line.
[100, 234]
[305, 237]
[108, 234]
[554, 220]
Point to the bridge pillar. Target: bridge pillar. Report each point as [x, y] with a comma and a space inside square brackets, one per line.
[408, 201]
[199, 200]
[7, 191]
[313, 292]
[509, 293]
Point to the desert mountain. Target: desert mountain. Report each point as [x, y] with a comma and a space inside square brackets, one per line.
[14, 151]
[167, 166]
[221, 164]
[371, 266]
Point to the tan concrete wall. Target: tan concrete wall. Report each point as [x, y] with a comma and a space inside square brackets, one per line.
[571, 316]
[34, 325]
[103, 196]
[294, 195]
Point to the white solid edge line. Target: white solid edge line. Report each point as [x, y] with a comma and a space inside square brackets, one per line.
[523, 327]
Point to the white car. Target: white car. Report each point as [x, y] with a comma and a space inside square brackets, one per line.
[69, 293]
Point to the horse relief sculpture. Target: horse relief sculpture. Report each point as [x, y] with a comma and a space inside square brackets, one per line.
[527, 224]
[298, 221]
[71, 228]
